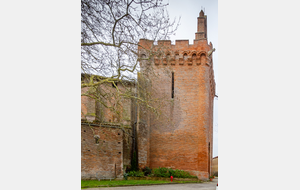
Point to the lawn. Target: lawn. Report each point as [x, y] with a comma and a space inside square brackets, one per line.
[114, 183]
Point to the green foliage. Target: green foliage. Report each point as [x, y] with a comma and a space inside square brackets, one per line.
[134, 166]
[147, 171]
[167, 172]
[125, 176]
[161, 172]
[136, 174]
[115, 183]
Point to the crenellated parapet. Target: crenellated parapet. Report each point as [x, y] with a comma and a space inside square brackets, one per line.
[180, 53]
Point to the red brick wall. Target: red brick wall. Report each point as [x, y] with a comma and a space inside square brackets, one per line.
[87, 106]
[101, 158]
[105, 157]
[181, 137]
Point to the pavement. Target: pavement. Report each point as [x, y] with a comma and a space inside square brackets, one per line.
[210, 185]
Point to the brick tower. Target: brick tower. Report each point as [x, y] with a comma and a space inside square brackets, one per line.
[182, 136]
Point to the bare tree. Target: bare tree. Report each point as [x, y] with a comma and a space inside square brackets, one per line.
[110, 32]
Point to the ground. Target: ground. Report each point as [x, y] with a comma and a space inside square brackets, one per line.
[188, 186]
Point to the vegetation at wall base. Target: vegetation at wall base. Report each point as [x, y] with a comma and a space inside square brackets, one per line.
[134, 166]
[147, 171]
[168, 172]
[116, 183]
[157, 172]
[136, 174]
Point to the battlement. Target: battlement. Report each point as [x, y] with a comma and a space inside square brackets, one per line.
[180, 53]
[166, 44]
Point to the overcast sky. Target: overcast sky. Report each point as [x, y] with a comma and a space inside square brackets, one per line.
[189, 10]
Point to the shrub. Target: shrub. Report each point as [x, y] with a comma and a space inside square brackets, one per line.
[136, 174]
[134, 166]
[167, 172]
[128, 169]
[161, 172]
[147, 171]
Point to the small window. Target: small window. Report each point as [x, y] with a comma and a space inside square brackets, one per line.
[172, 96]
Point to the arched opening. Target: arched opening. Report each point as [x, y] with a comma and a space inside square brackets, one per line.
[168, 56]
[203, 59]
[194, 57]
[185, 57]
[143, 60]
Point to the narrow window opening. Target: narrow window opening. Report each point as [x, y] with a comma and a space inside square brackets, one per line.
[119, 142]
[97, 141]
[172, 84]
[84, 131]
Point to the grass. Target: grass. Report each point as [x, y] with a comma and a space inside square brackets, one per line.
[115, 183]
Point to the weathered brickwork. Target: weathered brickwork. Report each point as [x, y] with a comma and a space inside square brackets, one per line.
[182, 137]
[181, 76]
[105, 157]
[87, 106]
[91, 110]
[113, 150]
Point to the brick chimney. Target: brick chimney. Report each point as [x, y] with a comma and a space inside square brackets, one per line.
[201, 27]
